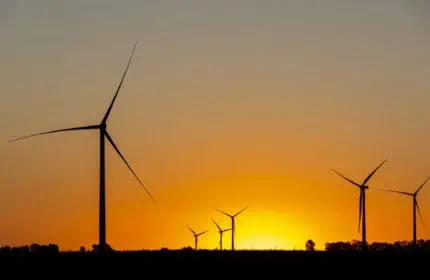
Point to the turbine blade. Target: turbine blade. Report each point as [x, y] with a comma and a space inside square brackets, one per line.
[422, 185]
[58, 130]
[226, 230]
[192, 231]
[222, 212]
[201, 233]
[349, 180]
[219, 228]
[128, 165]
[120, 84]
[421, 217]
[240, 211]
[373, 172]
[360, 207]
[406, 193]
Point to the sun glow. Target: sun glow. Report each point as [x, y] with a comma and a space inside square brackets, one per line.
[269, 231]
[266, 243]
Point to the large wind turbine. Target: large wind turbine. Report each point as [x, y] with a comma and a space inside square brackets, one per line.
[220, 231]
[233, 227]
[102, 128]
[196, 236]
[362, 202]
[415, 208]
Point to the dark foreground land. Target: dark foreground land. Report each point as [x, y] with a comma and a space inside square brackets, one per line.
[217, 265]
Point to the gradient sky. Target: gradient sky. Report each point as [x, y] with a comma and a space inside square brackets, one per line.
[227, 104]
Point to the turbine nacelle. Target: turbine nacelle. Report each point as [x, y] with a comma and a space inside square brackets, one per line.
[232, 216]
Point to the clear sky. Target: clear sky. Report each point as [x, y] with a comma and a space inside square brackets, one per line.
[227, 104]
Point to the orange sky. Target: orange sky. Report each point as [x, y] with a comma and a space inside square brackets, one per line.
[225, 106]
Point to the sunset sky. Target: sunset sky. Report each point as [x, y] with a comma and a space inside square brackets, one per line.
[227, 104]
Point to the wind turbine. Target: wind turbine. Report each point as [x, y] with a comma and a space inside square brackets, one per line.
[362, 202]
[196, 236]
[220, 231]
[102, 128]
[415, 208]
[233, 227]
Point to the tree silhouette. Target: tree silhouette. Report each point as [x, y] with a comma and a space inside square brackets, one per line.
[35, 248]
[310, 245]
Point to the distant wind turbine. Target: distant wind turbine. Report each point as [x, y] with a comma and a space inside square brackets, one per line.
[196, 236]
[233, 225]
[102, 128]
[415, 208]
[220, 231]
[362, 202]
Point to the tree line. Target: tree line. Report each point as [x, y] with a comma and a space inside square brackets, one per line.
[353, 245]
[397, 246]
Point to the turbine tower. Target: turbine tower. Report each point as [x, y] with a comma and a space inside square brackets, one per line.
[196, 236]
[220, 231]
[233, 224]
[362, 202]
[415, 207]
[102, 128]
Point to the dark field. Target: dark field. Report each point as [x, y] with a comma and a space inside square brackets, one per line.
[216, 264]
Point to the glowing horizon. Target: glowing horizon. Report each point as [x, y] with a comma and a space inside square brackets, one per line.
[225, 105]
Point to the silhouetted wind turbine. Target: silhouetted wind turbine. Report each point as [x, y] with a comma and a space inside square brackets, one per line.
[362, 202]
[233, 227]
[103, 134]
[196, 236]
[220, 231]
[415, 208]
